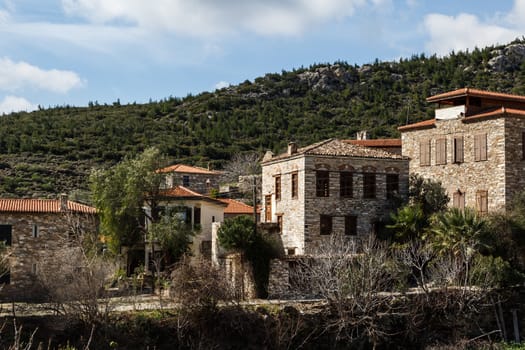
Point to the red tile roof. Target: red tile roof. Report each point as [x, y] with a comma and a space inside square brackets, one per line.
[475, 93]
[502, 111]
[430, 123]
[181, 192]
[376, 142]
[335, 147]
[16, 205]
[236, 207]
[182, 168]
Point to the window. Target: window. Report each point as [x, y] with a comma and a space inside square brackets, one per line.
[346, 186]
[326, 224]
[392, 185]
[480, 147]
[277, 187]
[458, 149]
[369, 185]
[424, 153]
[322, 183]
[482, 199]
[186, 180]
[34, 268]
[351, 225]
[187, 216]
[458, 200]
[290, 251]
[268, 208]
[197, 215]
[295, 185]
[280, 223]
[5, 234]
[441, 151]
[35, 231]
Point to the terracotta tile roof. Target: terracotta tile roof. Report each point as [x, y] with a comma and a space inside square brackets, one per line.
[183, 168]
[475, 93]
[42, 206]
[236, 207]
[498, 112]
[430, 123]
[376, 142]
[181, 192]
[334, 147]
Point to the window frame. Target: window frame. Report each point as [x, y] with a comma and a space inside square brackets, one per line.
[8, 240]
[392, 187]
[280, 223]
[482, 202]
[369, 185]
[441, 151]
[294, 178]
[185, 180]
[424, 153]
[458, 149]
[480, 147]
[326, 224]
[322, 183]
[346, 184]
[458, 199]
[35, 231]
[277, 187]
[350, 225]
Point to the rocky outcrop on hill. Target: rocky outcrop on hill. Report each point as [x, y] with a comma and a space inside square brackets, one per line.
[327, 78]
[508, 59]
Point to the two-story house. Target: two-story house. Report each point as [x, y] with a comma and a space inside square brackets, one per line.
[475, 146]
[330, 187]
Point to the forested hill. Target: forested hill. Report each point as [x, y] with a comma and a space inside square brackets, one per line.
[53, 150]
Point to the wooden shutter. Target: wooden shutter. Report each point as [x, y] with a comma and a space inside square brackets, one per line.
[441, 151]
[278, 187]
[480, 147]
[351, 225]
[424, 153]
[458, 149]
[482, 202]
[458, 200]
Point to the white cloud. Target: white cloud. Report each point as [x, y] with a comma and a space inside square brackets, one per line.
[16, 104]
[467, 31]
[18, 75]
[214, 18]
[221, 85]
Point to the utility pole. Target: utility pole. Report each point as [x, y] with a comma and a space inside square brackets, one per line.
[254, 205]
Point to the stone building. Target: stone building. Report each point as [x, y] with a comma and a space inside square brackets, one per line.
[33, 230]
[197, 179]
[475, 146]
[330, 187]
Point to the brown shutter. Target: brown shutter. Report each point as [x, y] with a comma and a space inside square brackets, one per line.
[441, 151]
[458, 149]
[483, 147]
[424, 153]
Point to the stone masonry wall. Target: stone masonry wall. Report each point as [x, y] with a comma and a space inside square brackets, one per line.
[201, 183]
[469, 176]
[368, 210]
[514, 158]
[28, 253]
[301, 215]
[291, 209]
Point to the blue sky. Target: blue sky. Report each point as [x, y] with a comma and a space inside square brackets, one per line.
[57, 52]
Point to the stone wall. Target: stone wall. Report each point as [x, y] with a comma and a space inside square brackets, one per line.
[29, 254]
[301, 215]
[291, 209]
[514, 158]
[469, 176]
[200, 183]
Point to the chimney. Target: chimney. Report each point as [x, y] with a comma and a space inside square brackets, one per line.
[362, 135]
[63, 202]
[292, 148]
[267, 156]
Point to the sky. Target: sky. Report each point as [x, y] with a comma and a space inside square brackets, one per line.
[72, 52]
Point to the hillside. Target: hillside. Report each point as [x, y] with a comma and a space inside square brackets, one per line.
[52, 150]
